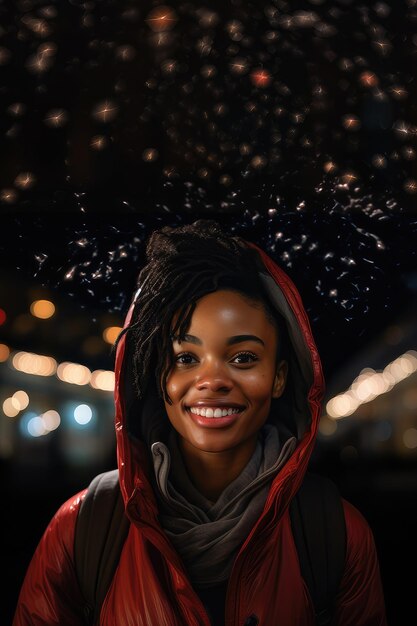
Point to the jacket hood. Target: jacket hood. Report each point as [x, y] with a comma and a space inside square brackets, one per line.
[139, 423]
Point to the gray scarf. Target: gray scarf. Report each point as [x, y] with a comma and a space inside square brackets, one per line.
[208, 535]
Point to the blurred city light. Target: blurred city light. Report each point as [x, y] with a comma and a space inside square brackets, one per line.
[24, 423]
[111, 333]
[327, 426]
[370, 384]
[39, 425]
[3, 316]
[410, 438]
[22, 399]
[11, 407]
[36, 427]
[4, 352]
[35, 364]
[73, 373]
[83, 414]
[43, 309]
[342, 405]
[102, 379]
[51, 419]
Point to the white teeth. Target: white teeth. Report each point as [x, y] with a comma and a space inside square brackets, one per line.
[210, 412]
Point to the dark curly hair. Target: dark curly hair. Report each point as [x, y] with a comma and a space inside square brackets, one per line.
[183, 264]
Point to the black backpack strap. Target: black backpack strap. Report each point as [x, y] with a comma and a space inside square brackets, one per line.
[100, 533]
[319, 529]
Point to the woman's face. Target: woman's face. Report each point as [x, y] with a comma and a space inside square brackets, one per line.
[216, 366]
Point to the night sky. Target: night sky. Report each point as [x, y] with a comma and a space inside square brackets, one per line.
[293, 127]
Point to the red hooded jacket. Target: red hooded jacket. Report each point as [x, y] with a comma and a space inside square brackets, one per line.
[265, 578]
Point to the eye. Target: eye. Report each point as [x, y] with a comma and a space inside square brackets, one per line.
[183, 355]
[249, 355]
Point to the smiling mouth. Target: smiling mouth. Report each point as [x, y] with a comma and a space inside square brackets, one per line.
[215, 412]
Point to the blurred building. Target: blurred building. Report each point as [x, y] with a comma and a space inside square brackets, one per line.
[57, 381]
[368, 429]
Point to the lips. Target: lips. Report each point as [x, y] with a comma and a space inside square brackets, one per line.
[215, 403]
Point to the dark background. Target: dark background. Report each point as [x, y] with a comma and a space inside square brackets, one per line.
[294, 127]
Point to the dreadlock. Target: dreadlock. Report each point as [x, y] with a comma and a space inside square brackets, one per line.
[183, 264]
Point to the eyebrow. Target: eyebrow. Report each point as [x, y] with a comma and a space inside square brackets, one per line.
[231, 340]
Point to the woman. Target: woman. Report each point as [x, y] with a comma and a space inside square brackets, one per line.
[218, 390]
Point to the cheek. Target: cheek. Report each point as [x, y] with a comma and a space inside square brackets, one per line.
[259, 384]
[175, 385]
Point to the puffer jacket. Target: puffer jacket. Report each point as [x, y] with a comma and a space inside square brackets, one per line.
[265, 580]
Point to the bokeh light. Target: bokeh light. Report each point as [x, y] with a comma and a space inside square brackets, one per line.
[83, 414]
[36, 427]
[11, 407]
[102, 379]
[51, 420]
[35, 364]
[369, 384]
[111, 333]
[410, 438]
[4, 352]
[22, 398]
[44, 309]
[73, 373]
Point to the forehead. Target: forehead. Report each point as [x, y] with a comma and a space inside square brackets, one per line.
[228, 310]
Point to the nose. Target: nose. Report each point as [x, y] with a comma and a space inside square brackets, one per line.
[215, 377]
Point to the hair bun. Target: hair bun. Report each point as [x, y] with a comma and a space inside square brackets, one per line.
[171, 241]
